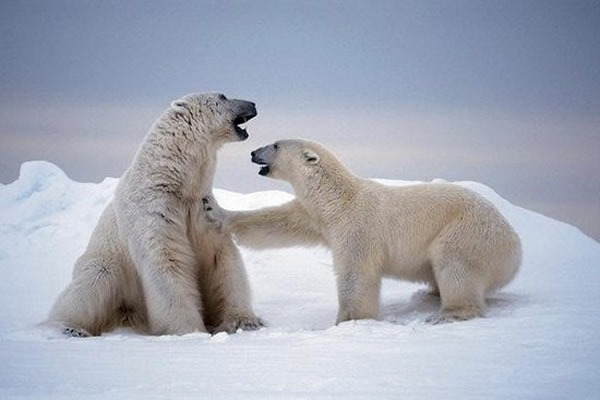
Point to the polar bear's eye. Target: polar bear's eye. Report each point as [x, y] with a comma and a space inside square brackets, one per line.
[275, 146]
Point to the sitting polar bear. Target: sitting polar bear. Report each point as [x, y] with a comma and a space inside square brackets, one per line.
[440, 234]
[153, 262]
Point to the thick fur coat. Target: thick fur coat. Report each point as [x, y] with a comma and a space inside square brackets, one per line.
[152, 262]
[440, 234]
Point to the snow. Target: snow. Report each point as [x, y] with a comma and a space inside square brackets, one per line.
[539, 340]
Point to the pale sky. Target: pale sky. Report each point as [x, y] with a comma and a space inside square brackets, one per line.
[506, 93]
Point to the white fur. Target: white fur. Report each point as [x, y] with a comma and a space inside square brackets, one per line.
[441, 234]
[152, 262]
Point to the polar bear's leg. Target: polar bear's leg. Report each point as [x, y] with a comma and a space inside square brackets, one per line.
[461, 292]
[358, 286]
[459, 277]
[228, 283]
[172, 296]
[89, 305]
[272, 227]
[168, 269]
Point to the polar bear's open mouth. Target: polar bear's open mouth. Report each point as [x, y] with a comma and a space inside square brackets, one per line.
[242, 119]
[264, 170]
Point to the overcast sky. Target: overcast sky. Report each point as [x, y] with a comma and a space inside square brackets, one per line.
[506, 93]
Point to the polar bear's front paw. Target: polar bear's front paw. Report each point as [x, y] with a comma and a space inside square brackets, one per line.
[213, 213]
[243, 322]
[446, 316]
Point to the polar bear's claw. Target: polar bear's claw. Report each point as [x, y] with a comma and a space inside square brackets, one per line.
[213, 213]
[245, 323]
[75, 332]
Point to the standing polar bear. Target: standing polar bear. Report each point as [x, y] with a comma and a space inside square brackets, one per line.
[153, 262]
[440, 234]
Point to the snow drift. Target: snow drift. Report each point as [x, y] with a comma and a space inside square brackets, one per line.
[540, 338]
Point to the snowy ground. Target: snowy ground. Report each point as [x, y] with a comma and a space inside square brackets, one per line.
[540, 339]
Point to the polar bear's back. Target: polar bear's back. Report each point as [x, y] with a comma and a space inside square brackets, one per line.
[422, 221]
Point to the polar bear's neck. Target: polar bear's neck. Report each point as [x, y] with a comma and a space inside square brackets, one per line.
[329, 191]
[179, 164]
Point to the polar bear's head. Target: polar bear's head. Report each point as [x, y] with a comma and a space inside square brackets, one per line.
[291, 160]
[214, 115]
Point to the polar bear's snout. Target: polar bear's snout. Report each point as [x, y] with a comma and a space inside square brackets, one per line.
[264, 156]
[245, 111]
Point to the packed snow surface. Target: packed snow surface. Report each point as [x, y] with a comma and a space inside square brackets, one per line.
[540, 339]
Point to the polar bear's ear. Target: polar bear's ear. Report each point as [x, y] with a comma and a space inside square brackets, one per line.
[310, 156]
[180, 105]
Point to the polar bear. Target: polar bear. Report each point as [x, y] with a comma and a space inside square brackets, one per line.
[440, 234]
[153, 262]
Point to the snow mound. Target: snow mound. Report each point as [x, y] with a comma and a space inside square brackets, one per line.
[539, 339]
